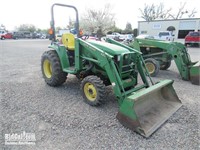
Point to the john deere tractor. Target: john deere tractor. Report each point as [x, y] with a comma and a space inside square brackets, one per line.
[142, 107]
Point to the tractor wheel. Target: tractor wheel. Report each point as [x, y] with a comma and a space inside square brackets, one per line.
[93, 90]
[152, 66]
[51, 69]
[165, 65]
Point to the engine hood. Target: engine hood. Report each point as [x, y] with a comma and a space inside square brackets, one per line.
[109, 48]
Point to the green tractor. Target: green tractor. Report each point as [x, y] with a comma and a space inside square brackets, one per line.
[143, 107]
[158, 55]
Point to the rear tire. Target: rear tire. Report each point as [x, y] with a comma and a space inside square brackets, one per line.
[152, 66]
[93, 90]
[165, 65]
[51, 69]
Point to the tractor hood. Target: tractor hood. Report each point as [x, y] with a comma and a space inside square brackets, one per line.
[109, 48]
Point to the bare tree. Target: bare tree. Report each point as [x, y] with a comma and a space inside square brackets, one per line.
[2, 27]
[182, 11]
[98, 20]
[153, 12]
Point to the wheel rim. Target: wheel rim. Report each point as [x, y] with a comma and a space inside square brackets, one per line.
[90, 91]
[151, 67]
[47, 68]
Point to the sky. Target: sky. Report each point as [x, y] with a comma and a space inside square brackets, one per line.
[37, 12]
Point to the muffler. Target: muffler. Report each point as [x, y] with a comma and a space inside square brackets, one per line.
[146, 110]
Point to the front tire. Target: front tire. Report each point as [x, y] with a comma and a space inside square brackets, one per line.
[51, 69]
[93, 90]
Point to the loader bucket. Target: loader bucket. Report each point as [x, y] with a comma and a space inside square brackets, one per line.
[146, 110]
[195, 74]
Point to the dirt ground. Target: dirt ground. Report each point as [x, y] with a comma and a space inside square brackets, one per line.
[61, 120]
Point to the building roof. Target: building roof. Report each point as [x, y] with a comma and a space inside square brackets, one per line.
[171, 20]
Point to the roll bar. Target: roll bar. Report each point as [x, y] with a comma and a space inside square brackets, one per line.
[53, 23]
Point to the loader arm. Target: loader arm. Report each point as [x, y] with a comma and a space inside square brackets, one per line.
[85, 50]
[177, 51]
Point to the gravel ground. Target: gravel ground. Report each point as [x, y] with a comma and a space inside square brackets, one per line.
[62, 121]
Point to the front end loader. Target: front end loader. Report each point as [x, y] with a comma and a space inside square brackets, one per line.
[143, 107]
[159, 54]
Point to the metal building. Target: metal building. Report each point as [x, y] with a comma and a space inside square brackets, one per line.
[180, 27]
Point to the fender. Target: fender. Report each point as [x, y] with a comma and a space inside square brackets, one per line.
[62, 54]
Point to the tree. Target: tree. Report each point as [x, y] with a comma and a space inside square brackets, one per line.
[182, 11]
[153, 12]
[128, 29]
[71, 24]
[38, 30]
[116, 29]
[26, 27]
[2, 27]
[45, 31]
[98, 20]
[58, 28]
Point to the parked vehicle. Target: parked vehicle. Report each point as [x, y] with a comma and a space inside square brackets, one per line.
[5, 35]
[165, 35]
[27, 35]
[114, 35]
[8, 35]
[44, 36]
[2, 34]
[145, 36]
[128, 38]
[18, 35]
[192, 38]
[35, 35]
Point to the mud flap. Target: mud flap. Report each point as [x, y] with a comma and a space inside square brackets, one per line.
[195, 74]
[146, 110]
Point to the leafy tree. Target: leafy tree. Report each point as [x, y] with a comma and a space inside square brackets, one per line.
[98, 20]
[128, 29]
[115, 29]
[26, 27]
[45, 31]
[38, 30]
[58, 28]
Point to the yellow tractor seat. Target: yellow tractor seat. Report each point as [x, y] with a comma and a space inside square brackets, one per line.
[68, 41]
